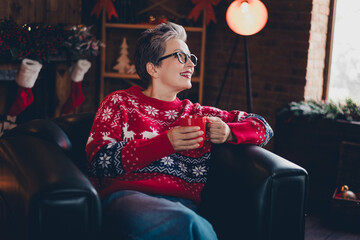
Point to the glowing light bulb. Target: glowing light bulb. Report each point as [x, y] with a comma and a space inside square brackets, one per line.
[244, 7]
[246, 17]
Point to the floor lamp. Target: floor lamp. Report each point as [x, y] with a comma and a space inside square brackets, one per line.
[245, 17]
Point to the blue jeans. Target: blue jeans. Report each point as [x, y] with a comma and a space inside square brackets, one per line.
[134, 215]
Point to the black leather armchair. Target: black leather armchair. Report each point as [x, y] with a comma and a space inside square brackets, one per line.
[44, 193]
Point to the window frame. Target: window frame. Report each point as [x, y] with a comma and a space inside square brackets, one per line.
[328, 51]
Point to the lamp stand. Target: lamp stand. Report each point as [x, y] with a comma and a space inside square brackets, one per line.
[248, 78]
[227, 71]
[248, 75]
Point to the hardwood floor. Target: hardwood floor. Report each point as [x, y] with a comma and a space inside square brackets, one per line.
[318, 228]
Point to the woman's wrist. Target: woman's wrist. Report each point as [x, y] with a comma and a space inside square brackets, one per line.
[231, 137]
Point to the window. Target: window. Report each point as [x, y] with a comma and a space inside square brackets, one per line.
[344, 79]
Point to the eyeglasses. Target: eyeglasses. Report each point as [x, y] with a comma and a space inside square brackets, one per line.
[182, 57]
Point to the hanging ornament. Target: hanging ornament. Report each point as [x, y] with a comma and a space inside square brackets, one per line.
[208, 6]
[123, 61]
[346, 193]
[109, 7]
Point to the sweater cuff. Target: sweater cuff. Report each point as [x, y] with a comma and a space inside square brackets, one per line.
[234, 130]
[159, 146]
[247, 133]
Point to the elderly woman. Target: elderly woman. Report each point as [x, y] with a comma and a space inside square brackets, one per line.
[150, 171]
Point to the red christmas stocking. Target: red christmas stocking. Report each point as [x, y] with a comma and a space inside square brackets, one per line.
[24, 99]
[26, 78]
[76, 98]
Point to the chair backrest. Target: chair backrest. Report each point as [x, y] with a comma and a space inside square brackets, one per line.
[69, 132]
[44, 195]
[77, 128]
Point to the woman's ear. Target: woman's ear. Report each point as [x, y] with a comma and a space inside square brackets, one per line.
[151, 69]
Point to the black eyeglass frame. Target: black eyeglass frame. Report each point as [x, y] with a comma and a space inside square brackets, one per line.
[177, 54]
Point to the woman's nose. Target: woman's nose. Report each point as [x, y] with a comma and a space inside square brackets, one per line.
[190, 63]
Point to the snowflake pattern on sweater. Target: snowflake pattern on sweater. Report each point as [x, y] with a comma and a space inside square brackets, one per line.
[128, 147]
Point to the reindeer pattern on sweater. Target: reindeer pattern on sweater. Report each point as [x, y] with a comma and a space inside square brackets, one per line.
[128, 147]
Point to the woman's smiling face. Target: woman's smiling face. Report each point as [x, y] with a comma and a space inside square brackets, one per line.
[174, 75]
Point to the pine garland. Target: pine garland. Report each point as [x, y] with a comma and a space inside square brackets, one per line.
[348, 111]
[34, 41]
[40, 42]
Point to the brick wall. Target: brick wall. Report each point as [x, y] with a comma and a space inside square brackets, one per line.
[286, 57]
[317, 50]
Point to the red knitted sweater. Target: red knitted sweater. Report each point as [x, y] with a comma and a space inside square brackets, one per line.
[128, 147]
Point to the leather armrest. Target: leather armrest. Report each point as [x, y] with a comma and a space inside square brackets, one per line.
[77, 128]
[45, 193]
[44, 129]
[69, 132]
[259, 192]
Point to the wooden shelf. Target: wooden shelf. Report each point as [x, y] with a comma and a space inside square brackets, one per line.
[121, 75]
[135, 76]
[107, 27]
[146, 26]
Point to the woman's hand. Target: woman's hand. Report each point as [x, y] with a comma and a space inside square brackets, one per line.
[185, 138]
[218, 131]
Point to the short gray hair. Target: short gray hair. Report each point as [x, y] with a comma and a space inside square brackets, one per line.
[152, 45]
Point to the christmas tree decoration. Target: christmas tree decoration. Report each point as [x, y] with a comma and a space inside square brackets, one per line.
[25, 79]
[208, 6]
[77, 72]
[123, 61]
[81, 44]
[346, 193]
[157, 20]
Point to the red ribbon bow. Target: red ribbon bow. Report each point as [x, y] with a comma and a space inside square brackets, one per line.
[109, 7]
[200, 5]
